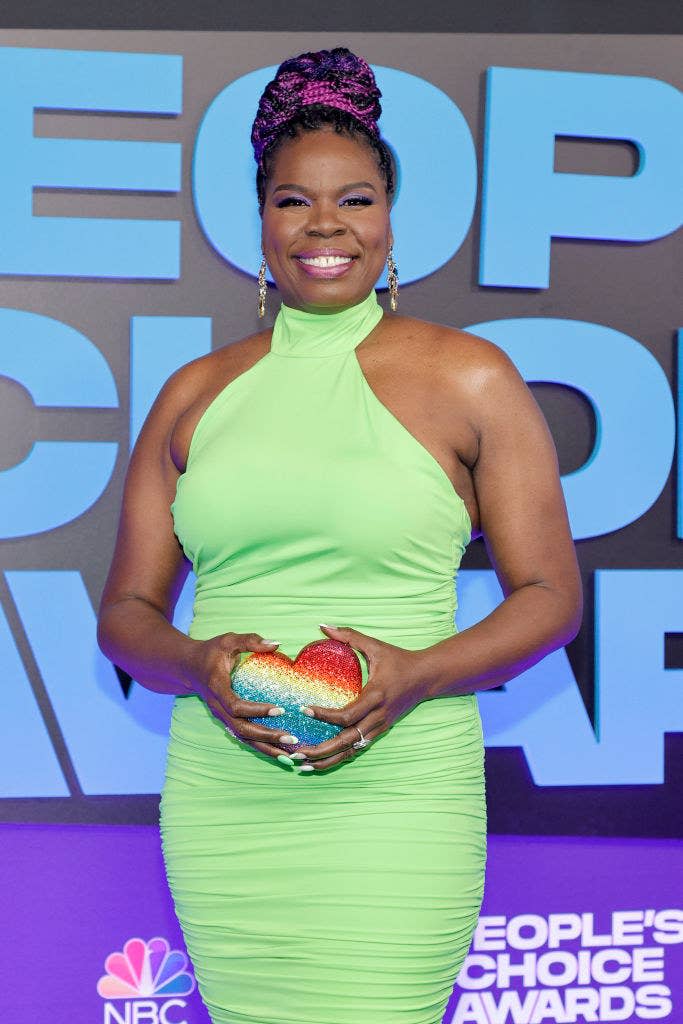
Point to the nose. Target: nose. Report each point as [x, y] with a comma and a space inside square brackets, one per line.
[324, 219]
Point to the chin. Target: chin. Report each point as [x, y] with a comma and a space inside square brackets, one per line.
[335, 291]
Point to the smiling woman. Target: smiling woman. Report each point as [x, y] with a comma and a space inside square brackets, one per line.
[304, 225]
[334, 468]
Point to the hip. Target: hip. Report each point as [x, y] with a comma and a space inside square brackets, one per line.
[439, 741]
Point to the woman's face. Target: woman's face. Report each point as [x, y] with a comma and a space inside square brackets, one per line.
[325, 195]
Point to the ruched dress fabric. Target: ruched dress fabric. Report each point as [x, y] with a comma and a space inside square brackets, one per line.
[349, 895]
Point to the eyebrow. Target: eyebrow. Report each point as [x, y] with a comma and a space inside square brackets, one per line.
[351, 184]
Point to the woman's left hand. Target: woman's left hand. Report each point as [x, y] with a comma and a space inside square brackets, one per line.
[393, 687]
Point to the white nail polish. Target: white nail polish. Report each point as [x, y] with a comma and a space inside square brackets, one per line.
[306, 711]
[276, 642]
[276, 711]
[305, 768]
[289, 739]
[327, 625]
[298, 756]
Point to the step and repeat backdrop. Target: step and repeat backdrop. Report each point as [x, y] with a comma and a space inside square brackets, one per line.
[539, 205]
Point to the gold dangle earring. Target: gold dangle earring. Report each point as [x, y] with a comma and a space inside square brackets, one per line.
[392, 278]
[262, 288]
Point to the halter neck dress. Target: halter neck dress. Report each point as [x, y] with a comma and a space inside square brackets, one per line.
[350, 895]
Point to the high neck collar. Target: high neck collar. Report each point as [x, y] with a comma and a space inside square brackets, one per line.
[298, 333]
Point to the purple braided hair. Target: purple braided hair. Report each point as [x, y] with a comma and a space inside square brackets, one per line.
[334, 78]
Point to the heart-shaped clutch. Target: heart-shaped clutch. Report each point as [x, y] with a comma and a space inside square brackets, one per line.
[325, 672]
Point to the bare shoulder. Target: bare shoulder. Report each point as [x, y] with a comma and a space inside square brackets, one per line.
[188, 382]
[455, 347]
[193, 386]
[462, 364]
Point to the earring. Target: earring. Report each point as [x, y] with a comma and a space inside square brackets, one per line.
[392, 278]
[262, 288]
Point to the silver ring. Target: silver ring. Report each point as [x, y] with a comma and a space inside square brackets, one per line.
[362, 742]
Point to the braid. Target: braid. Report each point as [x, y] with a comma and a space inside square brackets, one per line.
[327, 87]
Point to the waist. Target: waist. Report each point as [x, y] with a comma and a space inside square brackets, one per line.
[440, 738]
[414, 623]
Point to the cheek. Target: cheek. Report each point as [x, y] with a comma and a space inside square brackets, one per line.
[276, 233]
[375, 240]
[375, 231]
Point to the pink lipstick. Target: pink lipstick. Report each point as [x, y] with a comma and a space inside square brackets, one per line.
[325, 263]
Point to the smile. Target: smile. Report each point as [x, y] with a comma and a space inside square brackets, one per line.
[324, 261]
[325, 266]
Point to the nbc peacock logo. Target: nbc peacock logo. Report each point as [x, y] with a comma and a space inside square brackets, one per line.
[144, 984]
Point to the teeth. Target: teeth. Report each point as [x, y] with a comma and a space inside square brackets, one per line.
[325, 261]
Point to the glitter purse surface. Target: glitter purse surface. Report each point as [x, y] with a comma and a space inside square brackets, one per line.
[324, 672]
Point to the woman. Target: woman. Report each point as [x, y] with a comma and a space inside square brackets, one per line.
[333, 469]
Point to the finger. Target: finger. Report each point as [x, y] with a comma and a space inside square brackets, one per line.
[350, 714]
[347, 635]
[240, 724]
[345, 755]
[239, 707]
[234, 644]
[255, 642]
[251, 731]
[338, 716]
[370, 727]
[264, 748]
[236, 710]
[325, 749]
[328, 762]
[259, 737]
[367, 645]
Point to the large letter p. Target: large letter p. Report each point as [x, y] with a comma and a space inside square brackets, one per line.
[525, 202]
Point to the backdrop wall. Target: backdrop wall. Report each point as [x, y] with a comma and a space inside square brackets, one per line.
[539, 205]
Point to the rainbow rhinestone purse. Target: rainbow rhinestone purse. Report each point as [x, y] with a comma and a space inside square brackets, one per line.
[325, 672]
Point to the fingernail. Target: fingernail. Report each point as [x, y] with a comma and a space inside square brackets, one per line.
[276, 711]
[289, 739]
[327, 625]
[285, 759]
[307, 711]
[298, 756]
[276, 642]
[304, 767]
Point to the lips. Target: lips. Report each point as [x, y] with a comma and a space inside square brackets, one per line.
[309, 253]
[325, 263]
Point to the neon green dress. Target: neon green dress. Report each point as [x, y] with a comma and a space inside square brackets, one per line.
[345, 896]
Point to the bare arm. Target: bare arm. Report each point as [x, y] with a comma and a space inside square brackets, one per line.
[149, 568]
[526, 531]
[147, 573]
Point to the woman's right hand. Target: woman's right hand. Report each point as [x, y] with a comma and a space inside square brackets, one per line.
[213, 664]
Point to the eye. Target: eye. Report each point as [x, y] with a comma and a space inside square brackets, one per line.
[362, 200]
[288, 200]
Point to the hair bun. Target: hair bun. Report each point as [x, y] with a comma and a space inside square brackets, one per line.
[335, 78]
